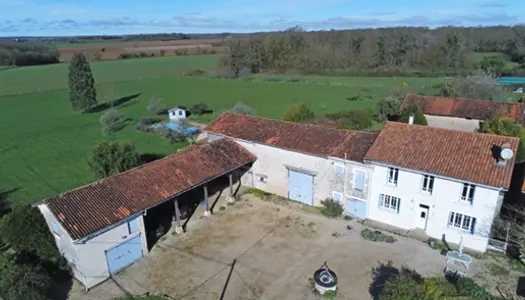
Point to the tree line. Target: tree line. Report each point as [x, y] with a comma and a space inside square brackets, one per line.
[28, 54]
[384, 51]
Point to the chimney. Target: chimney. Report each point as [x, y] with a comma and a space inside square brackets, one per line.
[411, 119]
[506, 154]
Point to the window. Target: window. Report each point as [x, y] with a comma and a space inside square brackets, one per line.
[55, 228]
[180, 113]
[389, 202]
[359, 181]
[467, 193]
[462, 222]
[337, 196]
[133, 225]
[392, 175]
[339, 169]
[428, 184]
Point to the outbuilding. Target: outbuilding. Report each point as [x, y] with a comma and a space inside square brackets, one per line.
[177, 113]
[302, 162]
[105, 226]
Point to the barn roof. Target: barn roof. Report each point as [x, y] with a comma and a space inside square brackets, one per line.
[466, 108]
[306, 138]
[90, 208]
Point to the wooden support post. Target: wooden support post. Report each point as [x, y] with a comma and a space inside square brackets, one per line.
[178, 228]
[208, 211]
[230, 197]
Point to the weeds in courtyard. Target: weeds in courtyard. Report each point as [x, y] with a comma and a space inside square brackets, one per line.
[377, 236]
[497, 270]
[258, 193]
[222, 208]
[332, 208]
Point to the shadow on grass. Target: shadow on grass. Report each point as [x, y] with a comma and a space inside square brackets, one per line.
[120, 102]
[5, 204]
[150, 157]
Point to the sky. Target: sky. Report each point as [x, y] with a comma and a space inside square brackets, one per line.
[105, 17]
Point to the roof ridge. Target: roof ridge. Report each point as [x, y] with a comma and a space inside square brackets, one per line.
[287, 122]
[449, 130]
[428, 97]
[191, 147]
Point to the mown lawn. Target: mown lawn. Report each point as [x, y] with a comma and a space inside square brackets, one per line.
[45, 145]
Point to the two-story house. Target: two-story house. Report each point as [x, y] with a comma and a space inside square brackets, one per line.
[303, 162]
[444, 182]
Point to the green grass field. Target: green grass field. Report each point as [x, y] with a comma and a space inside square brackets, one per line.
[44, 144]
[51, 77]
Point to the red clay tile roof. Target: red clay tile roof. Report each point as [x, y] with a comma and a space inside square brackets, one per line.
[466, 108]
[87, 209]
[455, 154]
[306, 138]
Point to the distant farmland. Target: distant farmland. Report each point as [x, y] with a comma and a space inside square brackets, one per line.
[112, 50]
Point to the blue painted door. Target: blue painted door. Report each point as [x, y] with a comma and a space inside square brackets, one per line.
[300, 187]
[356, 208]
[124, 255]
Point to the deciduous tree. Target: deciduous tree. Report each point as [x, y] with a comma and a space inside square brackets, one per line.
[110, 158]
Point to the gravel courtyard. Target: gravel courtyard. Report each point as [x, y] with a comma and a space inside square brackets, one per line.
[277, 246]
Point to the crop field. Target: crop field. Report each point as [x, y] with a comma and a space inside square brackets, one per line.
[112, 49]
[45, 145]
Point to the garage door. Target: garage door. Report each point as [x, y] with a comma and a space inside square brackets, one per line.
[124, 255]
[300, 187]
[356, 208]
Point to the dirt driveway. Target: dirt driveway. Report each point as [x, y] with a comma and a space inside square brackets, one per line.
[278, 247]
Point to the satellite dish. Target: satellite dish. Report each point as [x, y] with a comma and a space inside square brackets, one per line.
[506, 153]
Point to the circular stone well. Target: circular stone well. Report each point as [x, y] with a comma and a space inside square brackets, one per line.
[325, 280]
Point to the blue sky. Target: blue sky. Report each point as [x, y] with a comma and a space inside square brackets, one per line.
[73, 17]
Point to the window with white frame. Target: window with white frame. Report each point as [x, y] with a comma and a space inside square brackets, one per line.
[463, 222]
[467, 192]
[389, 202]
[337, 196]
[359, 181]
[428, 184]
[339, 168]
[393, 174]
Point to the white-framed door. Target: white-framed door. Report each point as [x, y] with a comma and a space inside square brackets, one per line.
[422, 218]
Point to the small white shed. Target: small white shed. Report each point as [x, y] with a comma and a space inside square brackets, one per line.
[177, 113]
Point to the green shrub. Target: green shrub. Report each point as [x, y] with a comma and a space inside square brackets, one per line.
[112, 121]
[146, 122]
[377, 236]
[222, 208]
[170, 135]
[199, 109]
[155, 106]
[110, 158]
[403, 288]
[332, 208]
[299, 113]
[419, 117]
[243, 109]
[162, 52]
[357, 119]
[438, 288]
